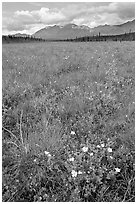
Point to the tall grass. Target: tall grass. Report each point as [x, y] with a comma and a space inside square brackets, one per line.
[58, 100]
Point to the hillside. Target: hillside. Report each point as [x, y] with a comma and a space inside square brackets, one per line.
[63, 32]
[115, 29]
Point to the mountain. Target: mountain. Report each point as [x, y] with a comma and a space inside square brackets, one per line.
[63, 32]
[21, 35]
[71, 31]
[115, 29]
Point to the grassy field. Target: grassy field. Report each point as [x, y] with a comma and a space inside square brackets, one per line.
[68, 122]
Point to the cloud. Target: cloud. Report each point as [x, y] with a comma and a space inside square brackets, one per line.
[125, 10]
[44, 15]
[90, 14]
[23, 20]
[112, 13]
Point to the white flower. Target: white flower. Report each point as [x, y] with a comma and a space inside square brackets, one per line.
[91, 154]
[117, 170]
[109, 149]
[37, 145]
[72, 133]
[102, 145]
[98, 146]
[74, 173]
[85, 149]
[71, 159]
[35, 160]
[79, 172]
[111, 157]
[66, 57]
[47, 154]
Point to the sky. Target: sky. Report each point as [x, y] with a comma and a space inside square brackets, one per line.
[29, 17]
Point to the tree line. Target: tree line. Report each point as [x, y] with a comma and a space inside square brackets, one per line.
[20, 39]
[99, 37]
[95, 38]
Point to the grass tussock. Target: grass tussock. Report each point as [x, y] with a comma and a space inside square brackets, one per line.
[68, 122]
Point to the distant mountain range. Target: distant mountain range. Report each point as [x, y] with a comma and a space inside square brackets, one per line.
[21, 35]
[71, 31]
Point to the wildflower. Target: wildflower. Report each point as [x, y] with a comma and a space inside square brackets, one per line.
[109, 149]
[85, 149]
[79, 172]
[111, 157]
[102, 145]
[35, 160]
[46, 152]
[37, 145]
[72, 133]
[117, 170]
[98, 146]
[71, 159]
[66, 57]
[74, 173]
[91, 154]
[40, 198]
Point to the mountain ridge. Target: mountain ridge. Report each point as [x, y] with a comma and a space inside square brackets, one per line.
[71, 31]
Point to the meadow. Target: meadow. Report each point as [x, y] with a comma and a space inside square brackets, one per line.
[68, 114]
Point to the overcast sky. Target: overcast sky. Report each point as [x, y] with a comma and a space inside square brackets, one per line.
[19, 17]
